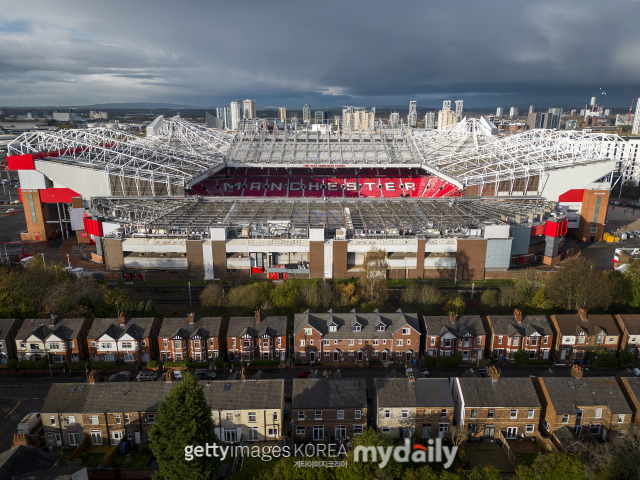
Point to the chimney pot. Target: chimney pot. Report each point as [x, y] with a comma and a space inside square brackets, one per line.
[576, 371]
[453, 317]
[518, 314]
[328, 376]
[93, 376]
[191, 318]
[54, 318]
[583, 314]
[169, 376]
[243, 375]
[493, 373]
[122, 319]
[258, 316]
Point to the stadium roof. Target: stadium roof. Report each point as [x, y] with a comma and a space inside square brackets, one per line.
[291, 218]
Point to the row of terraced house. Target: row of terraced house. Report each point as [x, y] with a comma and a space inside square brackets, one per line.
[331, 338]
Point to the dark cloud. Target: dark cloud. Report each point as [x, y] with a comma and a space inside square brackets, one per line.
[326, 53]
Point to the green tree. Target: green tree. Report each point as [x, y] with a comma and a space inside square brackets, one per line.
[509, 296]
[116, 296]
[184, 419]
[489, 298]
[246, 299]
[284, 297]
[425, 297]
[620, 288]
[553, 466]
[455, 304]
[625, 357]
[346, 294]
[212, 296]
[369, 470]
[579, 284]
[373, 279]
[150, 309]
[632, 275]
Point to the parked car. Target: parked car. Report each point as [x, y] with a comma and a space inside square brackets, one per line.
[204, 374]
[482, 371]
[11, 210]
[425, 372]
[177, 374]
[629, 235]
[637, 371]
[304, 374]
[637, 233]
[126, 374]
[146, 377]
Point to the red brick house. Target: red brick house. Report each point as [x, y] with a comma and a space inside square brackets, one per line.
[125, 340]
[445, 336]
[510, 333]
[629, 325]
[255, 337]
[191, 338]
[630, 386]
[326, 408]
[64, 339]
[352, 338]
[574, 335]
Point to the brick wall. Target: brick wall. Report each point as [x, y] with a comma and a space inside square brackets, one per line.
[108, 423]
[329, 421]
[433, 416]
[501, 420]
[470, 258]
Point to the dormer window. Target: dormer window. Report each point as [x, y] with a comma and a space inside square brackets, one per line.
[356, 328]
[581, 338]
[381, 328]
[600, 339]
[333, 328]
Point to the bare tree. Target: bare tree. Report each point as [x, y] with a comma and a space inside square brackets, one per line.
[458, 435]
[212, 295]
[373, 279]
[579, 284]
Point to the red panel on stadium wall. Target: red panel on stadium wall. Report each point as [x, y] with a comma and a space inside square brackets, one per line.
[20, 194]
[537, 230]
[20, 162]
[556, 229]
[92, 227]
[572, 196]
[57, 195]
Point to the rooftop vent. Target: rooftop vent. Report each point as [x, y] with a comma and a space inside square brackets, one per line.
[571, 384]
[227, 386]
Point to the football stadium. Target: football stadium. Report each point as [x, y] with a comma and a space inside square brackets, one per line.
[189, 201]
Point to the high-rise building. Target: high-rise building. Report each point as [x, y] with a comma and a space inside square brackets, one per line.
[430, 120]
[224, 114]
[236, 114]
[499, 111]
[542, 120]
[573, 112]
[557, 116]
[321, 117]
[513, 113]
[531, 109]
[394, 119]
[282, 113]
[607, 112]
[446, 116]
[459, 109]
[306, 114]
[249, 109]
[412, 119]
[623, 119]
[636, 120]
[358, 120]
[336, 120]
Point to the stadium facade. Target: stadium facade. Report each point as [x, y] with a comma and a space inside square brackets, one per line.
[189, 201]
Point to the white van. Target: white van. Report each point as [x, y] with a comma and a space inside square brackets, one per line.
[637, 233]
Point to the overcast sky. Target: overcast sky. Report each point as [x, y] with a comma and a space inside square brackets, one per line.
[325, 53]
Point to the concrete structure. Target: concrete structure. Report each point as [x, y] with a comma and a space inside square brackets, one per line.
[459, 107]
[635, 130]
[412, 118]
[224, 114]
[236, 114]
[321, 117]
[282, 114]
[66, 117]
[513, 112]
[430, 120]
[531, 109]
[394, 119]
[623, 119]
[358, 120]
[499, 112]
[249, 109]
[447, 117]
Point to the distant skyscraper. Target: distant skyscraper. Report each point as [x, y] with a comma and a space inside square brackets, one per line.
[249, 109]
[236, 114]
[607, 112]
[499, 112]
[394, 119]
[573, 112]
[306, 114]
[412, 119]
[531, 109]
[321, 117]
[446, 116]
[282, 113]
[513, 113]
[635, 130]
[358, 120]
[557, 115]
[430, 120]
[224, 114]
[459, 109]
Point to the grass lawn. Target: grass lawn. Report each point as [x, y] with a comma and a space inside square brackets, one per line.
[252, 467]
[92, 459]
[136, 458]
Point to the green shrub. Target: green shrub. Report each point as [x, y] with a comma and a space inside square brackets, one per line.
[182, 364]
[520, 357]
[103, 365]
[449, 362]
[197, 364]
[57, 366]
[152, 364]
[427, 361]
[625, 357]
[77, 366]
[33, 364]
[12, 364]
[260, 363]
[606, 360]
[218, 362]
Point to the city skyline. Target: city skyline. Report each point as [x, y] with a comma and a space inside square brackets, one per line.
[504, 55]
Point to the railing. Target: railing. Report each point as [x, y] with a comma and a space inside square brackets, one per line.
[507, 448]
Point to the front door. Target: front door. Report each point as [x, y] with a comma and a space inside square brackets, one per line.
[545, 354]
[408, 356]
[96, 438]
[335, 356]
[426, 431]
[282, 355]
[490, 431]
[444, 428]
[384, 356]
[564, 353]
[341, 433]
[512, 432]
[359, 356]
[312, 356]
[164, 357]
[58, 439]
[137, 437]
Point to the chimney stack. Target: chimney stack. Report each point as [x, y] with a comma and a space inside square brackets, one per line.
[518, 314]
[453, 317]
[93, 377]
[54, 319]
[258, 316]
[328, 376]
[191, 318]
[169, 376]
[493, 373]
[122, 318]
[583, 314]
[243, 375]
[576, 371]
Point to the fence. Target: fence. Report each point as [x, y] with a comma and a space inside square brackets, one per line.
[507, 449]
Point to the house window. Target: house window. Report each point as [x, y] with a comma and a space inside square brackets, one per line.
[351, 342]
[53, 421]
[33, 346]
[375, 342]
[318, 414]
[93, 420]
[21, 344]
[514, 414]
[93, 344]
[529, 429]
[375, 353]
[126, 419]
[303, 343]
[433, 341]
[128, 357]
[408, 342]
[357, 429]
[310, 342]
[229, 416]
[71, 420]
[332, 328]
[71, 344]
[118, 419]
[405, 413]
[144, 343]
[275, 416]
[594, 428]
[620, 418]
[151, 418]
[300, 431]
[443, 414]
[127, 346]
[253, 434]
[491, 413]
[565, 419]
[165, 343]
[356, 328]
[531, 414]
[399, 343]
[351, 353]
[381, 328]
[474, 413]
[252, 417]
[515, 341]
[105, 346]
[358, 414]
[479, 340]
[405, 331]
[387, 414]
[325, 342]
[385, 429]
[426, 412]
[533, 341]
[447, 342]
[74, 439]
[340, 414]
[300, 415]
[473, 428]
[598, 413]
[307, 331]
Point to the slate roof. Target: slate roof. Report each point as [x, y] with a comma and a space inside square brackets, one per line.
[566, 436]
[66, 328]
[210, 327]
[439, 326]
[586, 392]
[244, 394]
[338, 393]
[126, 397]
[57, 473]
[509, 326]
[5, 326]
[433, 392]
[273, 326]
[573, 324]
[345, 321]
[137, 328]
[65, 398]
[634, 384]
[23, 460]
[504, 393]
[394, 393]
[631, 323]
